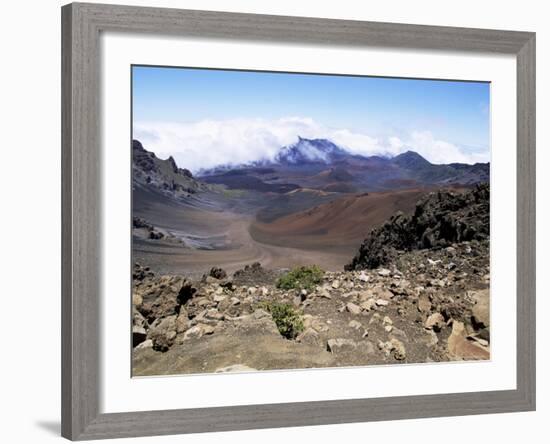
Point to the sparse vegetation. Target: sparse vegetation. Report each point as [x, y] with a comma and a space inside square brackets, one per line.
[232, 194]
[287, 318]
[305, 277]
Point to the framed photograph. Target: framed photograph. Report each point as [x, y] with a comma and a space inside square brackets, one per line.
[289, 221]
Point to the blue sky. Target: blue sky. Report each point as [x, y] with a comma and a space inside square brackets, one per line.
[391, 114]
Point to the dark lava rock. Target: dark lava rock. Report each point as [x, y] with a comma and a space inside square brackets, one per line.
[155, 235]
[218, 273]
[185, 172]
[173, 164]
[139, 222]
[255, 274]
[440, 219]
[143, 158]
[140, 272]
[152, 172]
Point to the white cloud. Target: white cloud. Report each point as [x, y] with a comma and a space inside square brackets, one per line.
[357, 143]
[437, 151]
[209, 143]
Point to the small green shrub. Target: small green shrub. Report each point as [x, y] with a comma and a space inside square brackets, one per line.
[233, 193]
[301, 278]
[286, 317]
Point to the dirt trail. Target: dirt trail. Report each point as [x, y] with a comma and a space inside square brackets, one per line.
[241, 249]
[327, 235]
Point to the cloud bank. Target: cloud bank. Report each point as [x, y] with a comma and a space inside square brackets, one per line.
[209, 143]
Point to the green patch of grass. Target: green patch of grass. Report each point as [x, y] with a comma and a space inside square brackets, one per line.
[301, 278]
[286, 317]
[233, 193]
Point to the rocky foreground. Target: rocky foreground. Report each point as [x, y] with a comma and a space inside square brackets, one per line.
[435, 308]
[424, 299]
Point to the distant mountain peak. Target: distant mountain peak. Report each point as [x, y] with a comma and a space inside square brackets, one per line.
[308, 151]
[320, 163]
[410, 159]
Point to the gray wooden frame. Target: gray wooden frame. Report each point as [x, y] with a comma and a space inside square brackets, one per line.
[81, 166]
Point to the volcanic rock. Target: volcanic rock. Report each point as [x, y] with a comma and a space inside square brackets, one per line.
[440, 219]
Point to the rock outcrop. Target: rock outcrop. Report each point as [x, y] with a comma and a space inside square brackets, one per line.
[439, 220]
[163, 176]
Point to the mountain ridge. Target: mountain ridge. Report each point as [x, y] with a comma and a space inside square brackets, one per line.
[322, 164]
[164, 176]
[322, 150]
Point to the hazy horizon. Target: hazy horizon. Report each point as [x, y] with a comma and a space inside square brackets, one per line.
[205, 118]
